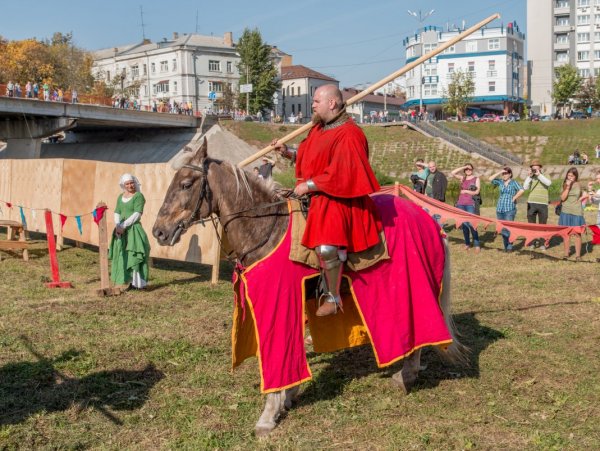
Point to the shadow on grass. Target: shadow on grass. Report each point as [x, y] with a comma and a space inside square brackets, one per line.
[351, 364]
[31, 387]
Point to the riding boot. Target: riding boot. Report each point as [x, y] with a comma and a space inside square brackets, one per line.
[331, 260]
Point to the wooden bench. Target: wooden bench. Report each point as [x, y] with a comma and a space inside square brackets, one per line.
[12, 229]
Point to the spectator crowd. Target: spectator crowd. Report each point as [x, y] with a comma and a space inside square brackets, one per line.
[574, 196]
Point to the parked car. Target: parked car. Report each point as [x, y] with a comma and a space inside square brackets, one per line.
[468, 119]
[578, 115]
[546, 118]
[513, 117]
[489, 118]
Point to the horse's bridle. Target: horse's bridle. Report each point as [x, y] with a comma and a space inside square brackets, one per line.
[205, 195]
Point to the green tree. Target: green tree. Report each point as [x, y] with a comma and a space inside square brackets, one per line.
[458, 94]
[256, 66]
[565, 86]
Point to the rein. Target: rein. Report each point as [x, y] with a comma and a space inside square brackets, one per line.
[206, 194]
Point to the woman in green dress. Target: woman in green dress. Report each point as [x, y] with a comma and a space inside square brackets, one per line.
[129, 247]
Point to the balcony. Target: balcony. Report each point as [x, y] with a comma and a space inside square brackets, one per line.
[561, 45]
[562, 10]
[492, 73]
[564, 28]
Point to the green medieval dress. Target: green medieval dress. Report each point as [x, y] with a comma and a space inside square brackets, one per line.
[129, 253]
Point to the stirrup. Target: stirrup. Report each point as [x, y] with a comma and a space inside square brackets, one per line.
[325, 303]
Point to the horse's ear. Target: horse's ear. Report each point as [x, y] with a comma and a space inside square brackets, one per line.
[202, 152]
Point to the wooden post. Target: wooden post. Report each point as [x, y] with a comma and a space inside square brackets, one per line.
[105, 288]
[396, 188]
[439, 49]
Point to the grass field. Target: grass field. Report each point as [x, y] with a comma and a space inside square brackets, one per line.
[151, 370]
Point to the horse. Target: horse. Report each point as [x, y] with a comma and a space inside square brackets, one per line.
[255, 219]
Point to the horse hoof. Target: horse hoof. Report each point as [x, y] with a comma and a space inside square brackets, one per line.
[398, 382]
[263, 430]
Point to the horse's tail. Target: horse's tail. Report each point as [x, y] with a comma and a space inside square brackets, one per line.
[456, 353]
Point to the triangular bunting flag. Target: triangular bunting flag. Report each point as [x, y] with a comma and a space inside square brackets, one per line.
[23, 221]
[98, 214]
[63, 219]
[78, 219]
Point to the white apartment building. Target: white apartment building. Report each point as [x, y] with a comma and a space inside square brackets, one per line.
[562, 32]
[493, 57]
[187, 68]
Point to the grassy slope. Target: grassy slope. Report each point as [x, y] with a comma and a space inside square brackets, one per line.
[534, 330]
[551, 141]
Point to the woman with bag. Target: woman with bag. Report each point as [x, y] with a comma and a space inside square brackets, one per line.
[468, 200]
[572, 212]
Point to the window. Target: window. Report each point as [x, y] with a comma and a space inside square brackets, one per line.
[471, 66]
[145, 69]
[107, 75]
[471, 46]
[597, 36]
[298, 94]
[583, 37]
[430, 89]
[215, 86]
[299, 108]
[411, 91]
[491, 86]
[164, 66]
[563, 3]
[597, 54]
[145, 90]
[562, 21]
[163, 86]
[428, 48]
[584, 73]
[583, 19]
[596, 71]
[173, 64]
[430, 70]
[153, 68]
[229, 67]
[597, 18]
[293, 109]
[450, 68]
[562, 57]
[451, 49]
[492, 69]
[493, 44]
[410, 52]
[583, 55]
[135, 71]
[562, 38]
[174, 86]
[583, 2]
[214, 66]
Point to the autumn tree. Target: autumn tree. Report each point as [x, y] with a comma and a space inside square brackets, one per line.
[57, 61]
[587, 96]
[256, 66]
[457, 95]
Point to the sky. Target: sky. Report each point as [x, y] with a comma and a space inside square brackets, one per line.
[356, 42]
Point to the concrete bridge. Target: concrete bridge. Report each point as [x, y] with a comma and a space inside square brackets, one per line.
[25, 122]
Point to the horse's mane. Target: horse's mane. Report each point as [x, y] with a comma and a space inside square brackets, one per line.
[241, 177]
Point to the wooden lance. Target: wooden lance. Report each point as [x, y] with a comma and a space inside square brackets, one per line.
[439, 49]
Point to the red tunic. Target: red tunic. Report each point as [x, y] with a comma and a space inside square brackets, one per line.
[341, 213]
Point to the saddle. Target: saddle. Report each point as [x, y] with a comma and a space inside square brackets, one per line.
[357, 261]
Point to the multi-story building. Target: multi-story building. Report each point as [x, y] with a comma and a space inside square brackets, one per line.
[493, 57]
[562, 32]
[187, 68]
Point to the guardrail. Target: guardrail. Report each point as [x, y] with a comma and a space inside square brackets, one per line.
[467, 142]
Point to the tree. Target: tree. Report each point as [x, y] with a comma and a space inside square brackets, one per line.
[587, 96]
[256, 66]
[458, 94]
[565, 86]
[57, 61]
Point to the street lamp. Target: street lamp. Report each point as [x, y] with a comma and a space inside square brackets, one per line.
[420, 17]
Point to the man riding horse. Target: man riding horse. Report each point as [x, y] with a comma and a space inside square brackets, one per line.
[332, 165]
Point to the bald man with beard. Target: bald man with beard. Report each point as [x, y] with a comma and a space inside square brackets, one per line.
[332, 166]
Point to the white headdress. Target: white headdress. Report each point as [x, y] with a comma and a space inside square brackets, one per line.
[127, 178]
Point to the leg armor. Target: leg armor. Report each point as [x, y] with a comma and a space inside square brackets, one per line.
[331, 259]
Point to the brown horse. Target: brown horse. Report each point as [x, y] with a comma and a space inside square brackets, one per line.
[254, 219]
